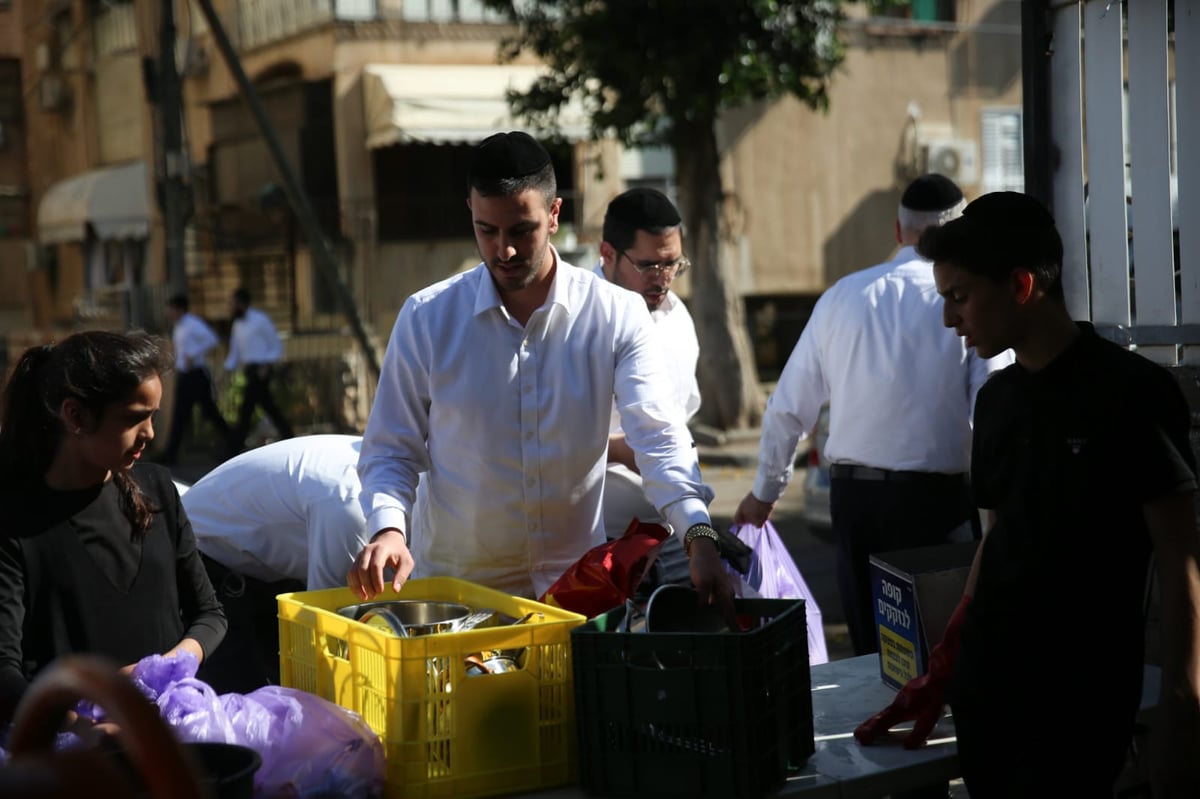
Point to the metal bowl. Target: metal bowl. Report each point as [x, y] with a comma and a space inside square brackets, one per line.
[418, 616]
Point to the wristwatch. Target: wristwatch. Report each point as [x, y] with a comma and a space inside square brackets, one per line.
[701, 530]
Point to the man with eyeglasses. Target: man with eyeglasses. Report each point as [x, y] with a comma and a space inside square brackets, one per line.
[642, 250]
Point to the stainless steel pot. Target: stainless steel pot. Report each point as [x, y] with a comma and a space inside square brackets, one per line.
[417, 616]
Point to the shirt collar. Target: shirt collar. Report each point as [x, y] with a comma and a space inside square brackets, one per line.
[487, 297]
[1084, 343]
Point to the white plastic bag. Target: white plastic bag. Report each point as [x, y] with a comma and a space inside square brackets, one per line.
[774, 575]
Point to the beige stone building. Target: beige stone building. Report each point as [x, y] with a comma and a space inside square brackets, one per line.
[15, 218]
[377, 102]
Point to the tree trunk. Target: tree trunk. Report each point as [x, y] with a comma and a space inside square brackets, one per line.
[730, 395]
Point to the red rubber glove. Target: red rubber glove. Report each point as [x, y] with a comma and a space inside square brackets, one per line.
[922, 699]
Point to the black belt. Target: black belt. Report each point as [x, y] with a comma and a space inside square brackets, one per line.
[851, 471]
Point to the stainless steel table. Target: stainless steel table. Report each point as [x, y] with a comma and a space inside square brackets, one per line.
[845, 693]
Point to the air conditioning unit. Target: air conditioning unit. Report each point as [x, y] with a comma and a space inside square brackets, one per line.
[957, 159]
[53, 93]
[195, 60]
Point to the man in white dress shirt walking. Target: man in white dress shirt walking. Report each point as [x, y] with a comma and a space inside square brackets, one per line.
[901, 388]
[282, 517]
[641, 249]
[255, 348]
[193, 339]
[489, 431]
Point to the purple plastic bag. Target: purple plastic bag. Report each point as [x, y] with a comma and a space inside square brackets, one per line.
[193, 708]
[310, 746]
[152, 675]
[774, 575]
[156, 673]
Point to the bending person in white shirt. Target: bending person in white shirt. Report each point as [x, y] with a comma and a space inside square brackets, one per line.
[282, 517]
[497, 390]
[255, 348]
[901, 388]
[193, 340]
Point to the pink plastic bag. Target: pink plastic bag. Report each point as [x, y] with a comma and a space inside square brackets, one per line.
[774, 575]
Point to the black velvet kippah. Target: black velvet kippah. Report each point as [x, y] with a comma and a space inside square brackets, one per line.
[643, 209]
[931, 193]
[508, 155]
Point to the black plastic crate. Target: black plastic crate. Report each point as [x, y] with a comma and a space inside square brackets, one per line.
[693, 714]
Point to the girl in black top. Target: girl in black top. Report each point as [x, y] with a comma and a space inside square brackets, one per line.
[96, 553]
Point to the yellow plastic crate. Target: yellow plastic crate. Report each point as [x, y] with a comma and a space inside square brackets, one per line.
[446, 733]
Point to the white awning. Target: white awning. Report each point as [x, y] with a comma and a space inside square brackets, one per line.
[112, 200]
[417, 102]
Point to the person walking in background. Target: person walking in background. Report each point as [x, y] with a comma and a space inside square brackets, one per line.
[96, 552]
[255, 348]
[900, 388]
[281, 517]
[193, 340]
[489, 431]
[642, 250]
[1082, 456]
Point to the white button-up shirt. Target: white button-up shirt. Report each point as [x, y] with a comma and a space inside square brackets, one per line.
[900, 385]
[507, 428]
[193, 338]
[253, 340]
[287, 510]
[677, 336]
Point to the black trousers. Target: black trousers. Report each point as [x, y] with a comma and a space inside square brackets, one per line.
[193, 387]
[873, 516]
[258, 395]
[248, 658]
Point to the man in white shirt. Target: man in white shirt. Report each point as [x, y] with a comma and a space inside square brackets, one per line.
[193, 339]
[285, 516]
[641, 249]
[255, 348]
[489, 431]
[901, 388]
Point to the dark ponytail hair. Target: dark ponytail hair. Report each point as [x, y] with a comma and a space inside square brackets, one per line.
[96, 368]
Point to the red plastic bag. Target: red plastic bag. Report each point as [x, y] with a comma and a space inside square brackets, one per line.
[608, 574]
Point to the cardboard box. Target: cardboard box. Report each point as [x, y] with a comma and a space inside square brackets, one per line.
[915, 591]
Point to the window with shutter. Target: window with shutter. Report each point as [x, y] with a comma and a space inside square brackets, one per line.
[1003, 150]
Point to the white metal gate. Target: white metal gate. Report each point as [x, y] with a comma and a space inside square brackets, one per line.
[1121, 190]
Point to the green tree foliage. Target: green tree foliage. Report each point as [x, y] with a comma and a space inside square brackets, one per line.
[662, 72]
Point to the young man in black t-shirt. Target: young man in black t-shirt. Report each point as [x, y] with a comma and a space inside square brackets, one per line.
[1081, 455]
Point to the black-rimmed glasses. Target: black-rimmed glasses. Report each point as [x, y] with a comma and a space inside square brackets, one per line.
[674, 268]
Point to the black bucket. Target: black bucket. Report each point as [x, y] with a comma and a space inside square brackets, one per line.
[227, 770]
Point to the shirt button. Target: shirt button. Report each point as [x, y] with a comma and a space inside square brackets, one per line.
[527, 389]
[532, 527]
[530, 482]
[528, 434]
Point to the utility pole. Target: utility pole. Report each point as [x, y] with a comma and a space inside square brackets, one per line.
[173, 190]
